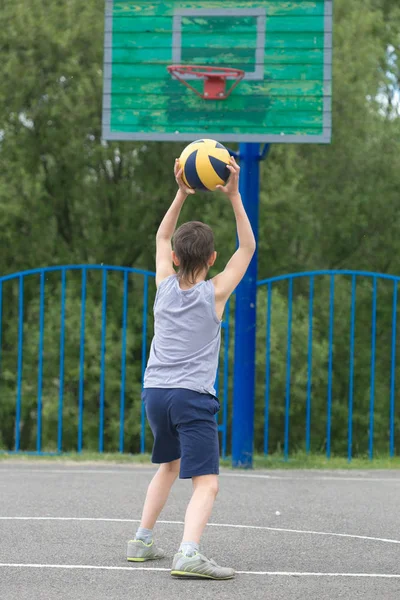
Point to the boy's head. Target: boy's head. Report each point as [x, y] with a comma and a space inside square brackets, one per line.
[193, 250]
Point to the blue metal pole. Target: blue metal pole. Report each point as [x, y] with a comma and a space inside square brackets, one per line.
[62, 364]
[103, 359]
[288, 369]
[1, 319]
[245, 320]
[123, 365]
[40, 367]
[393, 372]
[226, 379]
[351, 369]
[330, 368]
[309, 364]
[82, 362]
[20, 363]
[372, 377]
[267, 368]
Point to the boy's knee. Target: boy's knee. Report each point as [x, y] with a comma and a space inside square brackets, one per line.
[208, 482]
[171, 467]
[214, 487]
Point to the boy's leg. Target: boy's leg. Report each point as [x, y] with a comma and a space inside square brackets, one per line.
[142, 547]
[198, 512]
[198, 435]
[188, 562]
[166, 452]
[158, 492]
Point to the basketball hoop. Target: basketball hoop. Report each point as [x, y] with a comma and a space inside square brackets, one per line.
[215, 79]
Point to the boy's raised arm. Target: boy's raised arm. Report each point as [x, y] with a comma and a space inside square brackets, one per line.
[226, 282]
[167, 227]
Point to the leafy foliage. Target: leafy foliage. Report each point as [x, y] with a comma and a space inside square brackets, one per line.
[66, 197]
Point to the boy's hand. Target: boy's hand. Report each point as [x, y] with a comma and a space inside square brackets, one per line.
[232, 186]
[178, 176]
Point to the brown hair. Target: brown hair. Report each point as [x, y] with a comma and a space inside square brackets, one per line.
[193, 245]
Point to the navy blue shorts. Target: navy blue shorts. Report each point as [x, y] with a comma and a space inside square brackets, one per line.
[184, 426]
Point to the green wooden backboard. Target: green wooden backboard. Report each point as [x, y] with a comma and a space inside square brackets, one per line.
[284, 47]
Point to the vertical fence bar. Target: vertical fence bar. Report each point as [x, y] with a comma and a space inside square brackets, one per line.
[62, 364]
[288, 367]
[40, 366]
[372, 378]
[393, 369]
[1, 318]
[226, 379]
[123, 364]
[267, 368]
[309, 364]
[329, 408]
[82, 361]
[20, 357]
[103, 357]
[351, 370]
[144, 356]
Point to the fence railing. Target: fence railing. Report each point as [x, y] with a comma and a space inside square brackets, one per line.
[74, 342]
[340, 342]
[58, 325]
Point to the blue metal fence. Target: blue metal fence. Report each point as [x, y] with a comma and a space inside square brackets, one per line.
[299, 372]
[325, 403]
[36, 280]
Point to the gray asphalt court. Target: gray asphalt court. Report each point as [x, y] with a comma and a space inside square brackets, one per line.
[289, 534]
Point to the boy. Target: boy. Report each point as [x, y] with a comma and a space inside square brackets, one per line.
[178, 392]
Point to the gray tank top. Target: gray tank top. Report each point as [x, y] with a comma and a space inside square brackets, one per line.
[187, 336]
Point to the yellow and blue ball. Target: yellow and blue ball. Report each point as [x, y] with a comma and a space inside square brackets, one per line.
[204, 165]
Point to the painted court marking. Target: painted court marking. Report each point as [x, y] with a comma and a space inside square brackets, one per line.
[152, 569]
[228, 525]
[144, 471]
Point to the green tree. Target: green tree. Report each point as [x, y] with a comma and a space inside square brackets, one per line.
[66, 197]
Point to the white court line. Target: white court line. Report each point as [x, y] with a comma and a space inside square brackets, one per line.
[68, 471]
[228, 525]
[356, 478]
[135, 471]
[152, 569]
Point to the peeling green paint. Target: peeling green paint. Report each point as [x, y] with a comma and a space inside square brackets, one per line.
[291, 97]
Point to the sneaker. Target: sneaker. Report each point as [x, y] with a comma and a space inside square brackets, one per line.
[199, 566]
[138, 551]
